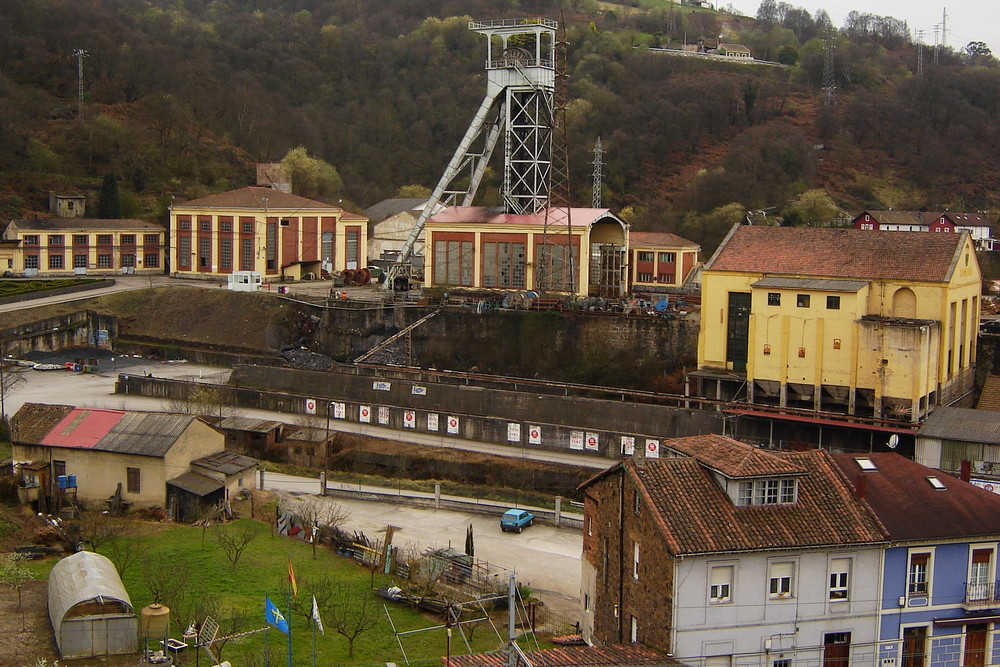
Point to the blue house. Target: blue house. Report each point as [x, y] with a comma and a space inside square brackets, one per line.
[939, 598]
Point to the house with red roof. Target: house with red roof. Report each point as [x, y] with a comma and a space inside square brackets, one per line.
[659, 261]
[930, 221]
[866, 323]
[274, 233]
[67, 454]
[723, 554]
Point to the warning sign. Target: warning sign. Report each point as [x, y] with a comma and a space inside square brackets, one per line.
[652, 449]
[409, 419]
[592, 442]
[453, 425]
[535, 435]
[365, 414]
[310, 406]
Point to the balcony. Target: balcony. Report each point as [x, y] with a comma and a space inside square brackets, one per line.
[982, 596]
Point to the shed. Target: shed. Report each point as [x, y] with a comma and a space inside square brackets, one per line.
[89, 608]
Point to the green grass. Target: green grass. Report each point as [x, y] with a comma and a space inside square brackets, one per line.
[261, 571]
[18, 287]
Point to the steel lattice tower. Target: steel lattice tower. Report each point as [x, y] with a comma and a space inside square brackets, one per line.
[520, 67]
[598, 173]
[829, 78]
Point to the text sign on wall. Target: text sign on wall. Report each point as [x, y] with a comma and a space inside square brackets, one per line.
[383, 414]
[339, 410]
[513, 432]
[310, 406]
[432, 422]
[628, 445]
[576, 439]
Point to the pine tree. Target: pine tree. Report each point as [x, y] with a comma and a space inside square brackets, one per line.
[109, 207]
[470, 546]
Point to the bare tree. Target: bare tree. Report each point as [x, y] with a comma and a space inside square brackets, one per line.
[98, 528]
[165, 577]
[236, 537]
[351, 614]
[125, 551]
[321, 516]
[14, 574]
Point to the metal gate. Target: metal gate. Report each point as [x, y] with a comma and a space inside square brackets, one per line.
[607, 270]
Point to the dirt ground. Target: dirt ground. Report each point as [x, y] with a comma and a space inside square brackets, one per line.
[24, 641]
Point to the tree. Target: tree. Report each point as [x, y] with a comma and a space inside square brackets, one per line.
[311, 177]
[413, 192]
[109, 206]
[814, 207]
[351, 615]
[14, 574]
[165, 578]
[97, 528]
[321, 516]
[9, 380]
[470, 542]
[768, 11]
[236, 537]
[125, 550]
[976, 53]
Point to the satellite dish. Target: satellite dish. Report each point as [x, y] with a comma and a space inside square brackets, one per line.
[893, 441]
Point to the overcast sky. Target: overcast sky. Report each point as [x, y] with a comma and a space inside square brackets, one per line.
[968, 20]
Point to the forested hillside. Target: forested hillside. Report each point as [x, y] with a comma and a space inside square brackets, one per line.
[182, 96]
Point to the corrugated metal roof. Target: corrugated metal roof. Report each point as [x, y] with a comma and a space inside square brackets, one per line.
[86, 225]
[82, 428]
[486, 215]
[574, 656]
[30, 424]
[197, 484]
[228, 463]
[963, 425]
[83, 576]
[819, 284]
[249, 424]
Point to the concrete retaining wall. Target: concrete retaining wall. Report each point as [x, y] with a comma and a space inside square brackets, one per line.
[75, 330]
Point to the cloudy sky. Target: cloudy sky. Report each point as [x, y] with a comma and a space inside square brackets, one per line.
[968, 20]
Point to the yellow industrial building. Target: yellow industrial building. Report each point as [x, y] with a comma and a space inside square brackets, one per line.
[865, 323]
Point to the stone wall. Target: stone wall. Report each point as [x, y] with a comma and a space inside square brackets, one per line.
[75, 330]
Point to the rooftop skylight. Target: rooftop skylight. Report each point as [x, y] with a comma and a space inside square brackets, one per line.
[936, 483]
[866, 463]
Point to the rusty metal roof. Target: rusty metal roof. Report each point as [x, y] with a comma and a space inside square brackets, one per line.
[197, 484]
[962, 425]
[226, 462]
[633, 655]
[820, 284]
[495, 216]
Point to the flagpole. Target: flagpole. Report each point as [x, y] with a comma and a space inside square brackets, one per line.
[314, 641]
[289, 623]
[267, 652]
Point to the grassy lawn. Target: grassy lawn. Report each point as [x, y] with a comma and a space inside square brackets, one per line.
[262, 570]
[17, 287]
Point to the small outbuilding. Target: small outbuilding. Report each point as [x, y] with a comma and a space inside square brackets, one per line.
[89, 608]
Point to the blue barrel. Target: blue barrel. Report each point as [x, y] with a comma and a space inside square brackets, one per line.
[61, 481]
[71, 481]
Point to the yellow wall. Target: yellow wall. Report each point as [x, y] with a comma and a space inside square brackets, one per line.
[98, 473]
[102, 259]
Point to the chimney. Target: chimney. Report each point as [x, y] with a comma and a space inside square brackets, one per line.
[966, 471]
[861, 486]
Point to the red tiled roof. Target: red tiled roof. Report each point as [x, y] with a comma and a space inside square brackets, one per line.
[695, 515]
[633, 655]
[990, 398]
[82, 428]
[485, 215]
[664, 239]
[30, 424]
[252, 198]
[911, 509]
[841, 253]
[895, 217]
[733, 458]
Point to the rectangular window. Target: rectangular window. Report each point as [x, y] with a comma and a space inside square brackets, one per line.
[635, 561]
[915, 647]
[833, 303]
[247, 227]
[132, 480]
[79, 261]
[151, 260]
[31, 261]
[787, 491]
[184, 225]
[746, 494]
[720, 584]
[56, 239]
[272, 246]
[205, 225]
[204, 253]
[104, 261]
[184, 251]
[453, 262]
[917, 576]
[55, 261]
[104, 239]
[802, 300]
[128, 260]
[980, 576]
[774, 298]
[636, 501]
[766, 492]
[644, 277]
[226, 253]
[782, 662]
[128, 239]
[285, 222]
[840, 569]
[645, 256]
[151, 239]
[246, 255]
[555, 266]
[31, 239]
[353, 257]
[326, 246]
[780, 580]
[668, 257]
[666, 277]
[58, 468]
[503, 264]
[79, 239]
[635, 630]
[226, 227]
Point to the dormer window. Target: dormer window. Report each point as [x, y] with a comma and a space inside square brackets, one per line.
[767, 492]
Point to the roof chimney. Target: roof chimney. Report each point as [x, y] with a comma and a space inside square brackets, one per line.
[861, 485]
[966, 471]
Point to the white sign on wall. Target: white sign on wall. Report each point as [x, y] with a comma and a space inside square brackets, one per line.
[409, 419]
[365, 414]
[432, 422]
[576, 439]
[339, 410]
[419, 391]
[453, 425]
[381, 385]
[513, 432]
[310, 406]
[592, 441]
[628, 445]
[383, 414]
[535, 435]
[652, 449]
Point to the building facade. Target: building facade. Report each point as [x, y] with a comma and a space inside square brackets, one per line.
[85, 246]
[725, 555]
[274, 233]
[659, 261]
[975, 224]
[479, 247]
[867, 323]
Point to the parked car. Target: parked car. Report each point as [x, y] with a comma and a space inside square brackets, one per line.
[516, 520]
[990, 327]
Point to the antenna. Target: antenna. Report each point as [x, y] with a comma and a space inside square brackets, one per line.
[80, 55]
[598, 173]
[893, 441]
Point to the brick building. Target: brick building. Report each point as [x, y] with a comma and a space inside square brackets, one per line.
[659, 261]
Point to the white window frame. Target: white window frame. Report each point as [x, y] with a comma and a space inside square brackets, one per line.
[635, 561]
[782, 572]
[720, 583]
[840, 580]
[634, 630]
[928, 573]
[990, 570]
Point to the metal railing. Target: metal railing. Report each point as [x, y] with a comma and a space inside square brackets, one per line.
[982, 595]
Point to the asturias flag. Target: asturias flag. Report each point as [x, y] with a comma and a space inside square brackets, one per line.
[291, 578]
[273, 616]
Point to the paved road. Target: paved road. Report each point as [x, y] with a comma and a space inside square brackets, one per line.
[544, 557]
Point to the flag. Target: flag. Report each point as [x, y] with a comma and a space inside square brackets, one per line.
[291, 578]
[315, 615]
[273, 616]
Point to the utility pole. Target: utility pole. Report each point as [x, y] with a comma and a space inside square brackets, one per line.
[80, 55]
[944, 26]
[936, 44]
[919, 35]
[829, 79]
[598, 173]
